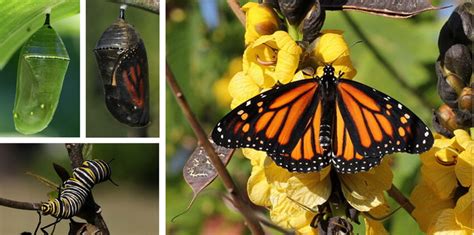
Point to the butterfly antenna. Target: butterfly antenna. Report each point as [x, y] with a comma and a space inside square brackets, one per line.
[346, 50]
[382, 217]
[111, 181]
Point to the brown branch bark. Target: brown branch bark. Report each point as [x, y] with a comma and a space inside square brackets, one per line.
[20, 205]
[244, 209]
[401, 199]
[235, 7]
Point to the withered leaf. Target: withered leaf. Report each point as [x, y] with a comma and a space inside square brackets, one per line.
[396, 9]
[198, 171]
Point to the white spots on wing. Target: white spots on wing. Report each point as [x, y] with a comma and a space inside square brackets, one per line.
[248, 103]
[399, 106]
[407, 116]
[424, 142]
[219, 129]
[427, 134]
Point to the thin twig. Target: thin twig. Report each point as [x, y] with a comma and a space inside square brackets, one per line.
[395, 74]
[235, 7]
[401, 199]
[229, 184]
[19, 205]
[75, 154]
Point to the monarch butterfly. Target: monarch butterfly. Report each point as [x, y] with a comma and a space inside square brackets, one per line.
[76, 189]
[306, 125]
[41, 69]
[123, 65]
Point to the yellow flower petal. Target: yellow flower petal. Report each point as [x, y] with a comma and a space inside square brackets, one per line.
[427, 205]
[257, 158]
[464, 211]
[375, 227]
[465, 165]
[288, 55]
[219, 88]
[258, 187]
[287, 213]
[446, 224]
[260, 20]
[365, 190]
[242, 88]
[331, 48]
[462, 138]
[309, 189]
[440, 177]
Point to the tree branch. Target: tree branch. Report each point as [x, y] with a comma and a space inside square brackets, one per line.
[395, 74]
[249, 217]
[20, 205]
[235, 7]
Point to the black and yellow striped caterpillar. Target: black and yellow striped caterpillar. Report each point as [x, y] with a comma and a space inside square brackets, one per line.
[76, 189]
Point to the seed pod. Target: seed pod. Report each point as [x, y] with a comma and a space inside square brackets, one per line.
[41, 69]
[313, 22]
[294, 10]
[123, 65]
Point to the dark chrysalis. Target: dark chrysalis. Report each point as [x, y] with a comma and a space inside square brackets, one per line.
[41, 69]
[123, 65]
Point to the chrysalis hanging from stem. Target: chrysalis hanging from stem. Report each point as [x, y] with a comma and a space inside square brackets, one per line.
[41, 69]
[123, 65]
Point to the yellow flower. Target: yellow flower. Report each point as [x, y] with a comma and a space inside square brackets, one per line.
[272, 58]
[444, 198]
[260, 20]
[375, 227]
[220, 86]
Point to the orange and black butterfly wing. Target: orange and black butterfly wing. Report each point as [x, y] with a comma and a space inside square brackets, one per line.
[307, 155]
[370, 124]
[272, 121]
[128, 99]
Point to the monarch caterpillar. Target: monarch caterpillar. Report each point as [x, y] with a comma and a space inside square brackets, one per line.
[41, 69]
[76, 189]
[123, 65]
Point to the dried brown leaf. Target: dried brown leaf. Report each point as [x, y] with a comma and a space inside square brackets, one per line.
[396, 9]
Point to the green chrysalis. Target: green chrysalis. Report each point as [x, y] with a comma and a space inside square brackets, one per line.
[41, 69]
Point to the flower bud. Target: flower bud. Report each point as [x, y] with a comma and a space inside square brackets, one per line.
[261, 19]
[444, 120]
[465, 99]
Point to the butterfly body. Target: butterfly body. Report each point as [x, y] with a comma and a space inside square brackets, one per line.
[309, 124]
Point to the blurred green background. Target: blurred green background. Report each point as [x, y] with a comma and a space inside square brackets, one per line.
[130, 208]
[199, 51]
[66, 119]
[99, 16]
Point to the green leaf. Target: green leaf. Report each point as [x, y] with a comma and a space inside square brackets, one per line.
[20, 19]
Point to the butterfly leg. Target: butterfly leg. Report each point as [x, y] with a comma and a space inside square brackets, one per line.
[43, 229]
[39, 222]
